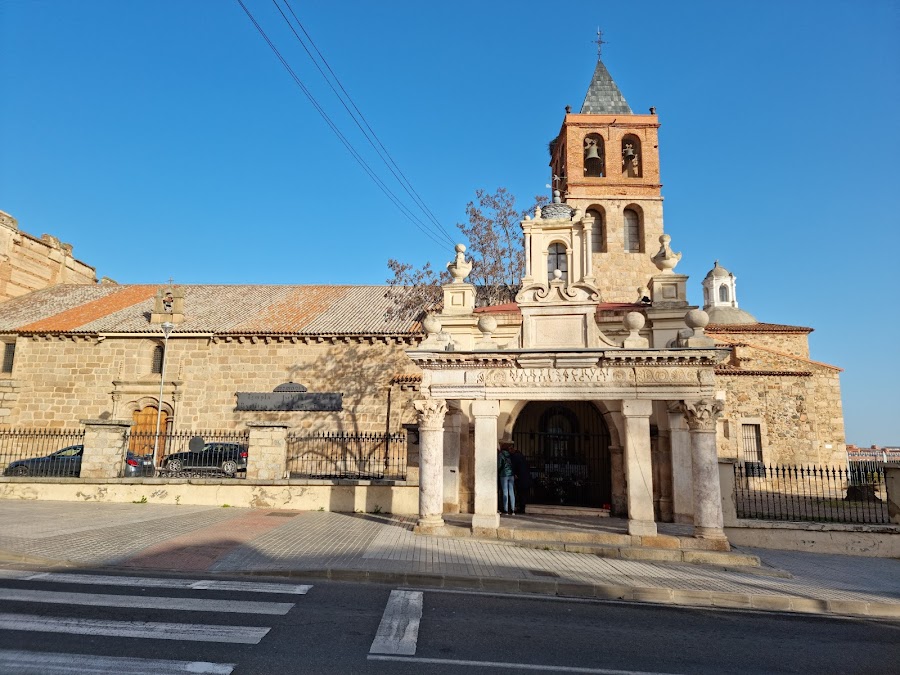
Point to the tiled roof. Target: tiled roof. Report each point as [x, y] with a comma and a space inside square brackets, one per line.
[734, 370]
[603, 96]
[243, 309]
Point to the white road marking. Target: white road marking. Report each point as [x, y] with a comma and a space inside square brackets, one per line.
[399, 628]
[156, 582]
[513, 666]
[245, 635]
[43, 663]
[149, 602]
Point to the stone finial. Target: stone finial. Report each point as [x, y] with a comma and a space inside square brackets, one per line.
[436, 339]
[666, 260]
[696, 320]
[643, 296]
[432, 325]
[459, 268]
[633, 322]
[487, 325]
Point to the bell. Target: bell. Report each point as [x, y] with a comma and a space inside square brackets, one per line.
[629, 152]
[591, 152]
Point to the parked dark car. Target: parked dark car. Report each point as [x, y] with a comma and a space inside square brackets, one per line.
[67, 462]
[229, 458]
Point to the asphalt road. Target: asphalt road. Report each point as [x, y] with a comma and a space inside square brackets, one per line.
[124, 624]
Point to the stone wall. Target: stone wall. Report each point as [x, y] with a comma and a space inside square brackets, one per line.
[796, 344]
[28, 264]
[64, 380]
[800, 415]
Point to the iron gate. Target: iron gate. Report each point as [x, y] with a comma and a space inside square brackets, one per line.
[571, 469]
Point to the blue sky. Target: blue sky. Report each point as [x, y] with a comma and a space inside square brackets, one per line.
[162, 138]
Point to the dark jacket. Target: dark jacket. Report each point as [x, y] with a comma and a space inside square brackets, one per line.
[521, 470]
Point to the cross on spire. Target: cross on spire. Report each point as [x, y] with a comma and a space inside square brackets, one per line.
[599, 42]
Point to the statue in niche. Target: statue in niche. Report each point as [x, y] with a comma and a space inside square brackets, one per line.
[630, 161]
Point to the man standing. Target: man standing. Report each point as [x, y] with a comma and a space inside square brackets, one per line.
[522, 476]
[507, 480]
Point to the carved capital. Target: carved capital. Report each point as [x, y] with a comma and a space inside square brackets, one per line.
[431, 413]
[702, 415]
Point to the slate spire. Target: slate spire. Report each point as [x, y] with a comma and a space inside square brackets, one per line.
[603, 96]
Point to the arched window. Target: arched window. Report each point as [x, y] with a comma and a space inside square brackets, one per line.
[632, 231]
[598, 232]
[156, 363]
[723, 293]
[631, 156]
[557, 260]
[593, 156]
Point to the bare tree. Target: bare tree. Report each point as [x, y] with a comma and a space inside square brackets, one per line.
[494, 241]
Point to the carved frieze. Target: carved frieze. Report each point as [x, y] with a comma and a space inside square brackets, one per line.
[666, 376]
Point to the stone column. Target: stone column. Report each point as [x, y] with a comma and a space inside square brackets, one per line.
[726, 483]
[451, 460]
[619, 505]
[485, 413]
[105, 443]
[682, 480]
[267, 454]
[431, 458]
[701, 418]
[638, 470]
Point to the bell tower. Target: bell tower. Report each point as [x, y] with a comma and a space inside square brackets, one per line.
[605, 161]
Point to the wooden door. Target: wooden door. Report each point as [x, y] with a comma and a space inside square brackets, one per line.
[143, 432]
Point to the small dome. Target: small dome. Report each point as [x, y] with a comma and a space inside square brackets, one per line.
[718, 272]
[729, 315]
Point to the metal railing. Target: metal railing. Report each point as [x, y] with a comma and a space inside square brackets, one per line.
[343, 455]
[41, 452]
[193, 454]
[822, 494]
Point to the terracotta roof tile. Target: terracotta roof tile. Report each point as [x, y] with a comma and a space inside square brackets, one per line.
[756, 328]
[74, 318]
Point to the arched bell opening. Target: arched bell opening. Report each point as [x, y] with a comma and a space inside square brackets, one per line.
[567, 449]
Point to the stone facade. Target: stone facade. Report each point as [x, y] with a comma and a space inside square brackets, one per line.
[28, 263]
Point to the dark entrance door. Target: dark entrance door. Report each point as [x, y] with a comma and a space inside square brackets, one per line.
[567, 448]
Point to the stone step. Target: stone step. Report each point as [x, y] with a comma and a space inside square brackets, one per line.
[573, 536]
[648, 554]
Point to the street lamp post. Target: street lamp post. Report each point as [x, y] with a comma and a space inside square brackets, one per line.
[166, 329]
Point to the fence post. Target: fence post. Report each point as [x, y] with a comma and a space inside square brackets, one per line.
[892, 487]
[267, 454]
[726, 480]
[104, 448]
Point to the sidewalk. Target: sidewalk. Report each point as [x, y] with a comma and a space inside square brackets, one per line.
[382, 548]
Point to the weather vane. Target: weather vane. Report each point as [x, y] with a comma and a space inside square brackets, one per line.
[599, 42]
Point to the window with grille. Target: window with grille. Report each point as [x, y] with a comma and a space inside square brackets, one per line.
[9, 356]
[557, 260]
[156, 366]
[752, 440]
[632, 231]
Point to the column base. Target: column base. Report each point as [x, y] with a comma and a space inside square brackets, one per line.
[488, 521]
[429, 524]
[642, 528]
[716, 534]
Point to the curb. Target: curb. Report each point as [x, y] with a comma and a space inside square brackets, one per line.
[569, 589]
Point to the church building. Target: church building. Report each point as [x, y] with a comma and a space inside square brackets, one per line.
[622, 395]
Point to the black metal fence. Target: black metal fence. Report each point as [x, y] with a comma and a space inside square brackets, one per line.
[824, 494]
[41, 452]
[343, 455]
[193, 454]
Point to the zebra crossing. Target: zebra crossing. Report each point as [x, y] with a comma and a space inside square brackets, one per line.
[46, 605]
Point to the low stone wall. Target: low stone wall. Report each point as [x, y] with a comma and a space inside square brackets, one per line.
[876, 541]
[400, 497]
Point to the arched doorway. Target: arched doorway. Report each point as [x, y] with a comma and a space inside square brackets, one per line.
[567, 448]
[142, 437]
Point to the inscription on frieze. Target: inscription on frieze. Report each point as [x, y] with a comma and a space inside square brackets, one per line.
[293, 401]
[529, 377]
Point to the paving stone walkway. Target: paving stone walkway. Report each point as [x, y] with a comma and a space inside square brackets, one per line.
[379, 547]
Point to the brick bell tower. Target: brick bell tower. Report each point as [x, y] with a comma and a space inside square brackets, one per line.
[605, 161]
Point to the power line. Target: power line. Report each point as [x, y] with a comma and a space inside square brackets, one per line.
[359, 159]
[358, 117]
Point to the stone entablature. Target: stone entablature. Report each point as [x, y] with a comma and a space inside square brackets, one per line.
[577, 375]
